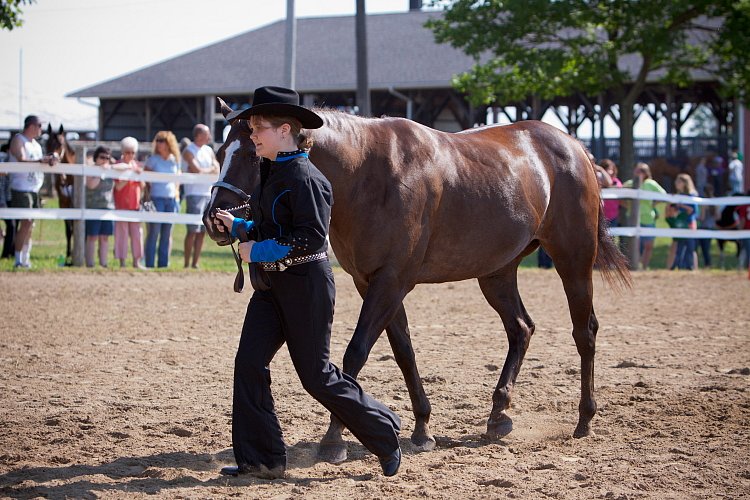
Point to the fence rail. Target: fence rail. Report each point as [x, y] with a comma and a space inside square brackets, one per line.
[176, 218]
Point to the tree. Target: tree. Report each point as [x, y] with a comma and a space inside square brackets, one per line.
[554, 48]
[704, 123]
[10, 13]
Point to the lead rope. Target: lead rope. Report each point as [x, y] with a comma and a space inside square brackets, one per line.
[239, 280]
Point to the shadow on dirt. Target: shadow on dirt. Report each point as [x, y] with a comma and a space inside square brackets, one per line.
[155, 473]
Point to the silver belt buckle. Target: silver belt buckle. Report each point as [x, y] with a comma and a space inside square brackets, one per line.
[283, 264]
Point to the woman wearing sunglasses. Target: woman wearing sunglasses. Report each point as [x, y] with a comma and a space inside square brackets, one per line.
[164, 195]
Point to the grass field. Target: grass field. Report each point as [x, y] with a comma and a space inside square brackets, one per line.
[49, 245]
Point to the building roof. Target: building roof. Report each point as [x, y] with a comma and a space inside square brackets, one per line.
[402, 53]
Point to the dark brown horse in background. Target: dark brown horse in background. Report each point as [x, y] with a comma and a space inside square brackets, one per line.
[57, 143]
[415, 205]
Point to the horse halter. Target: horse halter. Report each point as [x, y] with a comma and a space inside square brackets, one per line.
[239, 281]
[239, 192]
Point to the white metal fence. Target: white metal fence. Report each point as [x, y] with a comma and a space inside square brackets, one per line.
[164, 217]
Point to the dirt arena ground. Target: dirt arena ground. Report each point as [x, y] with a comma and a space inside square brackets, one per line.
[118, 384]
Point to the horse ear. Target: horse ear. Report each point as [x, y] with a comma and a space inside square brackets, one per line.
[49, 129]
[62, 130]
[225, 110]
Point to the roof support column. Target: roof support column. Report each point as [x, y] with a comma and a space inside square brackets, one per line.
[148, 118]
[208, 114]
[290, 47]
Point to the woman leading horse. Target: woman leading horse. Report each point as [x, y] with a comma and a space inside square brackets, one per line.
[415, 205]
[291, 210]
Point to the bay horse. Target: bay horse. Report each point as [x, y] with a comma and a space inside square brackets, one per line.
[57, 143]
[415, 205]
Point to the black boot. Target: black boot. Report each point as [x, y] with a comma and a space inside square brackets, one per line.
[391, 463]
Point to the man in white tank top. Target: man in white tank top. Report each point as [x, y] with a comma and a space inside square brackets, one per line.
[198, 158]
[25, 186]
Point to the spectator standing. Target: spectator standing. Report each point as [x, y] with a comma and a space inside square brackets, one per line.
[10, 225]
[716, 168]
[99, 196]
[736, 173]
[648, 212]
[611, 207]
[743, 245]
[198, 158]
[727, 221]
[165, 158]
[25, 186]
[127, 196]
[701, 177]
[683, 216]
[707, 220]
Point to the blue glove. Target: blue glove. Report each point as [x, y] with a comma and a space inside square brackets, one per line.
[237, 221]
[268, 251]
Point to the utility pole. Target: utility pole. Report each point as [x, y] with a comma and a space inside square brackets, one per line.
[20, 88]
[290, 50]
[363, 85]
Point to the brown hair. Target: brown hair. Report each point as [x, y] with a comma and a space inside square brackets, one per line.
[644, 167]
[304, 139]
[606, 164]
[171, 141]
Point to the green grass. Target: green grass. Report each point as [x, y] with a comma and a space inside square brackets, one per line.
[49, 244]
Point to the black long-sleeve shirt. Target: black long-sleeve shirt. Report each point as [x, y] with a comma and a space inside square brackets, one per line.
[291, 209]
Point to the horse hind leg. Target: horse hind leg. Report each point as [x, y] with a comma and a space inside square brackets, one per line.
[576, 270]
[501, 292]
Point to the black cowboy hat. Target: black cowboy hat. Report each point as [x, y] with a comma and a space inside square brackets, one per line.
[278, 101]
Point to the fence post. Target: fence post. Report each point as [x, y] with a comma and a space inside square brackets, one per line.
[79, 225]
[634, 220]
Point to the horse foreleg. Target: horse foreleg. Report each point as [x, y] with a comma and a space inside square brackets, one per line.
[400, 340]
[501, 291]
[382, 299]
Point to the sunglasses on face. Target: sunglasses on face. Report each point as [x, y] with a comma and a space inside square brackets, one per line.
[161, 139]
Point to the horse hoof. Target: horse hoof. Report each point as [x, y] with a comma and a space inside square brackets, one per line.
[333, 453]
[499, 427]
[423, 443]
[582, 430]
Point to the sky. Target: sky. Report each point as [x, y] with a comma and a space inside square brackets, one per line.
[67, 45]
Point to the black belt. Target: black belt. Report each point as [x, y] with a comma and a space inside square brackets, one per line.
[293, 261]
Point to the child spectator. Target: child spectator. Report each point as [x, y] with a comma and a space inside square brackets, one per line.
[683, 216]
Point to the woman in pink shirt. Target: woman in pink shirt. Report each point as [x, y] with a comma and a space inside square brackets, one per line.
[611, 207]
[128, 197]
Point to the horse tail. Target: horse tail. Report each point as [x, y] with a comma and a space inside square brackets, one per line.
[609, 259]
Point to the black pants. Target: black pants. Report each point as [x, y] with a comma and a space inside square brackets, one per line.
[298, 310]
[9, 247]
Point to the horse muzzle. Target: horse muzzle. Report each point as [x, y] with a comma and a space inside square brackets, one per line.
[221, 238]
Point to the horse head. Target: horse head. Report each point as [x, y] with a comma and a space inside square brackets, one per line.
[57, 143]
[240, 167]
